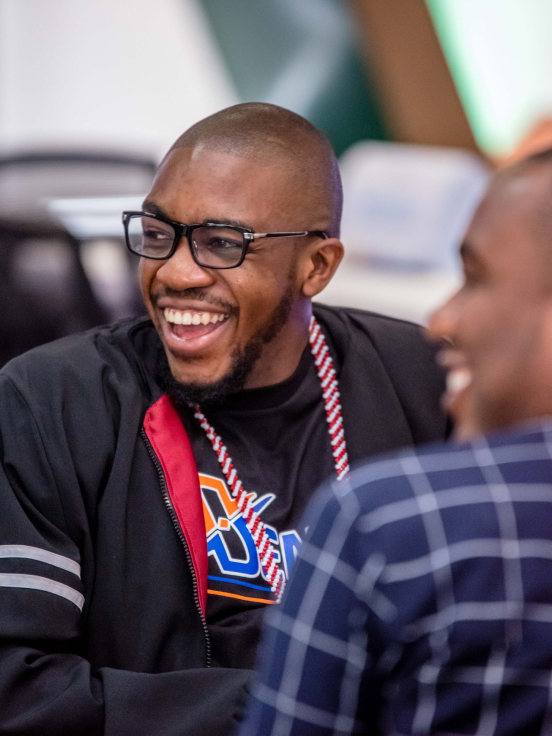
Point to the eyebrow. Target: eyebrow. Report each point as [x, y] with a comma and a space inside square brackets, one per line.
[465, 249]
[154, 209]
[228, 221]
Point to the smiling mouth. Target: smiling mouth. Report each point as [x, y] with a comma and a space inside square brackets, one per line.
[458, 380]
[192, 324]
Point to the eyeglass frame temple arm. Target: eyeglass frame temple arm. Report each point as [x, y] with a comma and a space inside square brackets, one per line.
[257, 236]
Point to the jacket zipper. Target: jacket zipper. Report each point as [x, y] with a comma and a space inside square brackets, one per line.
[178, 528]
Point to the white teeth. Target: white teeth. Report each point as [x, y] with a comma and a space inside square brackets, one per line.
[458, 379]
[192, 318]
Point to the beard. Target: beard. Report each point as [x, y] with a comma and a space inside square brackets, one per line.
[243, 360]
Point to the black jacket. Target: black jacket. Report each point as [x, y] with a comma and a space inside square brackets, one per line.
[102, 543]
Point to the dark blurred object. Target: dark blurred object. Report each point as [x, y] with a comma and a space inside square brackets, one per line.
[45, 291]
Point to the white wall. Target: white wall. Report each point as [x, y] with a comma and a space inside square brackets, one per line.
[117, 74]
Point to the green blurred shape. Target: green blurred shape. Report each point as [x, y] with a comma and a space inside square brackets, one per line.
[299, 54]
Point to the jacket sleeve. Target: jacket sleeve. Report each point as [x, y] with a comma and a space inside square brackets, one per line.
[47, 686]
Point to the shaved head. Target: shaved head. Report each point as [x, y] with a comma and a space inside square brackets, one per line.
[269, 133]
[529, 182]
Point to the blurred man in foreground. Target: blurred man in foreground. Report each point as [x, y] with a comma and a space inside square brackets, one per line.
[421, 601]
[154, 472]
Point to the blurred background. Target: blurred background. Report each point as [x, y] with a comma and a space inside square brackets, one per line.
[420, 98]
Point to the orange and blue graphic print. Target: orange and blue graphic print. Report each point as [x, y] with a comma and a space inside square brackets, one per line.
[231, 545]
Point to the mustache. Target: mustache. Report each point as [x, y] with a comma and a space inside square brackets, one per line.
[198, 294]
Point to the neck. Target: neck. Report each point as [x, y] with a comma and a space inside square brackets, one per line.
[280, 357]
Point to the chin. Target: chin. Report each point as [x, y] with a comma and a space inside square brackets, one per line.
[199, 386]
[198, 373]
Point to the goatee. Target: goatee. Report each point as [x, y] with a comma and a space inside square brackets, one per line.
[243, 360]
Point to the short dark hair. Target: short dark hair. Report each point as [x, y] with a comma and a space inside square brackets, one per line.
[258, 129]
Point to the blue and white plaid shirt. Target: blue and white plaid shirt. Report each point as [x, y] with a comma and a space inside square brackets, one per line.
[421, 601]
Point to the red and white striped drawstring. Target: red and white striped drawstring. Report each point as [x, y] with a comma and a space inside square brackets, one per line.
[330, 392]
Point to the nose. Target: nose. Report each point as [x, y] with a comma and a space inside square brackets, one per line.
[442, 323]
[181, 272]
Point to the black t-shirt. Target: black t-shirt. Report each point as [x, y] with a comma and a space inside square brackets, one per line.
[277, 437]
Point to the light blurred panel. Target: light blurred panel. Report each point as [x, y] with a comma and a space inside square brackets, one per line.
[125, 74]
[500, 55]
[410, 296]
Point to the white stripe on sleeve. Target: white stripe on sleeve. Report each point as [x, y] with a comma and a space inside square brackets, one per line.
[35, 582]
[41, 555]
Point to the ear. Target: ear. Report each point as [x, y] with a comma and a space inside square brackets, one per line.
[319, 263]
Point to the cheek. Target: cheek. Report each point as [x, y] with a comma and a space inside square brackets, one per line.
[258, 292]
[482, 315]
[499, 340]
[146, 273]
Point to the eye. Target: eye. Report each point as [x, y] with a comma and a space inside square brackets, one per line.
[160, 236]
[476, 273]
[473, 278]
[222, 243]
[218, 240]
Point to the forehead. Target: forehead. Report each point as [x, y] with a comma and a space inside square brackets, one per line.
[193, 185]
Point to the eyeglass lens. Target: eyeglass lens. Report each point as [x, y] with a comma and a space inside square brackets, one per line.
[220, 247]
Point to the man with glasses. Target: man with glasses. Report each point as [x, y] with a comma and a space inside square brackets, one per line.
[155, 471]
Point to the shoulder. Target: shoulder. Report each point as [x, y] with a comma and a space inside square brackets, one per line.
[381, 510]
[389, 335]
[371, 322]
[81, 363]
[448, 478]
[400, 476]
[407, 356]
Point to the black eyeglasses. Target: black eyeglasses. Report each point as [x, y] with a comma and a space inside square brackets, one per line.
[211, 245]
